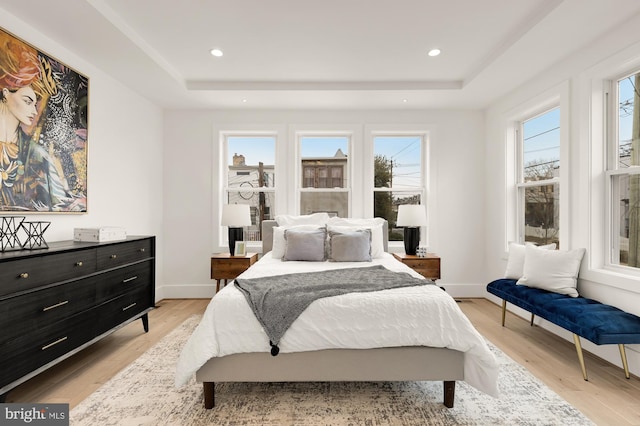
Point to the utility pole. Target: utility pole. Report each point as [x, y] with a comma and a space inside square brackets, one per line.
[261, 198]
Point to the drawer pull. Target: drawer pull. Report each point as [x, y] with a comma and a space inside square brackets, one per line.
[142, 250]
[129, 307]
[79, 263]
[45, 347]
[129, 279]
[24, 275]
[57, 305]
[113, 256]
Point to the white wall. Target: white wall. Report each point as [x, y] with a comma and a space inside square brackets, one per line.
[124, 152]
[622, 44]
[456, 193]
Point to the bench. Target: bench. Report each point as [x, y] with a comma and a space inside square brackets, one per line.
[597, 322]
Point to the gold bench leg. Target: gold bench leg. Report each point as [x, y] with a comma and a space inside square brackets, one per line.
[623, 355]
[504, 311]
[576, 340]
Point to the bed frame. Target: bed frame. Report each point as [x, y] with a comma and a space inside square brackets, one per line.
[411, 363]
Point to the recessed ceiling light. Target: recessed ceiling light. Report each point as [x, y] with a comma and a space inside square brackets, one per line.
[405, 100]
[434, 52]
[216, 52]
[244, 101]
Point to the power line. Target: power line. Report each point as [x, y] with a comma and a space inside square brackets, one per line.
[541, 164]
[406, 147]
[541, 149]
[541, 133]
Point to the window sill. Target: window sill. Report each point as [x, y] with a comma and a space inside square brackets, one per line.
[612, 276]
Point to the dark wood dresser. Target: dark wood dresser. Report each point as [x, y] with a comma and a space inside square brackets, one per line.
[56, 301]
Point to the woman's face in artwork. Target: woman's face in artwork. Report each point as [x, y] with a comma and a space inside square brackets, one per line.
[22, 104]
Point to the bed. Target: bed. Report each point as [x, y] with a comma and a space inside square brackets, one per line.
[330, 341]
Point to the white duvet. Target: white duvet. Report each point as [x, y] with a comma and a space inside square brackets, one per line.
[410, 316]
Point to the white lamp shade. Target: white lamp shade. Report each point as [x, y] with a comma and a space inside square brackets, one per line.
[411, 215]
[236, 215]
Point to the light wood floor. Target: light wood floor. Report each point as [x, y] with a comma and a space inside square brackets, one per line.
[607, 398]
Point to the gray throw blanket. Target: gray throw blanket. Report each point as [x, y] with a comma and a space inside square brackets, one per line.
[277, 301]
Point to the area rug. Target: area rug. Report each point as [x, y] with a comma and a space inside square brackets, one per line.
[143, 393]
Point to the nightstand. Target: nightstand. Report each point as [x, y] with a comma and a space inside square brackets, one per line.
[226, 267]
[428, 267]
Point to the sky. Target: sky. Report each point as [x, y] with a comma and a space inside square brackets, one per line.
[541, 136]
[625, 88]
[404, 151]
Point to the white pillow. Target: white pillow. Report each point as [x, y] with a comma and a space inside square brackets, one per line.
[279, 245]
[375, 224]
[552, 270]
[307, 219]
[515, 263]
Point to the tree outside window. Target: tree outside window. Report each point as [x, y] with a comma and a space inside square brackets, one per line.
[538, 187]
[398, 177]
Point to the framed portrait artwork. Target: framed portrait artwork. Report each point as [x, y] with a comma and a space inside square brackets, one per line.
[43, 131]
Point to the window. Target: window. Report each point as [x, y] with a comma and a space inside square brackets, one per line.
[324, 165]
[398, 176]
[251, 177]
[322, 176]
[538, 185]
[624, 172]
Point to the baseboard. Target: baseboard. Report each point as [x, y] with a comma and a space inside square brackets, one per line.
[189, 291]
[463, 290]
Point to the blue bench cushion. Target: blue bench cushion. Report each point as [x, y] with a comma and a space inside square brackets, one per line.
[599, 323]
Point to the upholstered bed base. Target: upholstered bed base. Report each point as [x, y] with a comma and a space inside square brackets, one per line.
[371, 365]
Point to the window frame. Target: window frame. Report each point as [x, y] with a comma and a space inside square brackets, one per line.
[613, 172]
[221, 178]
[425, 133]
[594, 118]
[297, 133]
[556, 97]
[288, 173]
[521, 184]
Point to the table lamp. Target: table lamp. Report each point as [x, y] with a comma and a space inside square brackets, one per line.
[411, 217]
[235, 216]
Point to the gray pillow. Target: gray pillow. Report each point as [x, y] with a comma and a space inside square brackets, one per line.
[353, 246]
[305, 244]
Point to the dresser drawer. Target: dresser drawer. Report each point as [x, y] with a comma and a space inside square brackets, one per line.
[226, 269]
[121, 309]
[31, 351]
[37, 309]
[423, 263]
[119, 281]
[112, 255]
[429, 268]
[432, 273]
[27, 273]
